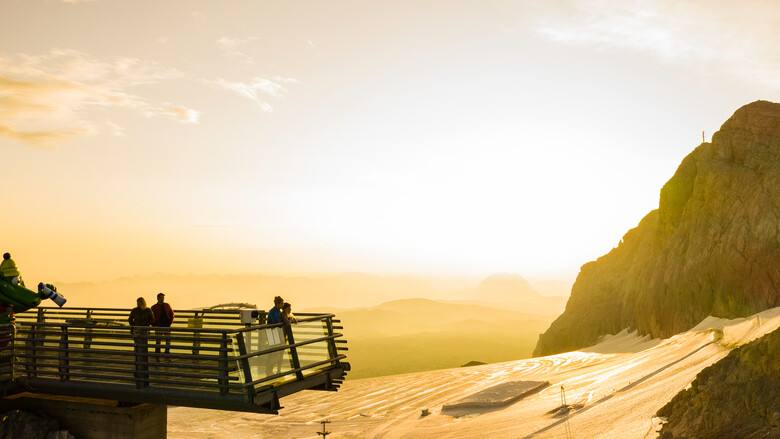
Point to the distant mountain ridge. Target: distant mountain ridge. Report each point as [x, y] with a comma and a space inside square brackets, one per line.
[350, 290]
[197, 290]
[711, 248]
[411, 335]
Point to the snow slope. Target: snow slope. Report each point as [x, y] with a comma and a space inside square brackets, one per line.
[613, 388]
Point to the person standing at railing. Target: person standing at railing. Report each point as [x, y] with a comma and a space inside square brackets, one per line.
[141, 315]
[287, 312]
[275, 315]
[275, 336]
[163, 318]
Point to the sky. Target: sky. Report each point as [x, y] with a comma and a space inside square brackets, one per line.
[431, 138]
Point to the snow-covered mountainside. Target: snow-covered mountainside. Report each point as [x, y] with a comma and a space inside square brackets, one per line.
[612, 390]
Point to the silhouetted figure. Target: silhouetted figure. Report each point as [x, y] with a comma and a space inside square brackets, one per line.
[163, 318]
[287, 312]
[275, 336]
[275, 315]
[141, 315]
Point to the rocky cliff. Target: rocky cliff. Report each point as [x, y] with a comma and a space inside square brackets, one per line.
[738, 396]
[711, 248]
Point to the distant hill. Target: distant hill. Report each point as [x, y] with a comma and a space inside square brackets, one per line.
[512, 292]
[198, 290]
[505, 287]
[711, 248]
[345, 291]
[418, 334]
[421, 315]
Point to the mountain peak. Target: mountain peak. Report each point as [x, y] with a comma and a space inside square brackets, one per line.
[507, 287]
[711, 248]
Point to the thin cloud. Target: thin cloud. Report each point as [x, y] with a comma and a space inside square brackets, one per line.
[314, 47]
[46, 99]
[229, 48]
[258, 89]
[40, 137]
[115, 130]
[731, 37]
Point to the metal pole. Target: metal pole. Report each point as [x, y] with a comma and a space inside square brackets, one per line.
[324, 432]
[296, 363]
[223, 364]
[245, 367]
[64, 355]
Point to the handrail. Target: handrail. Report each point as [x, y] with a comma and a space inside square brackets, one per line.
[247, 366]
[55, 312]
[300, 369]
[281, 348]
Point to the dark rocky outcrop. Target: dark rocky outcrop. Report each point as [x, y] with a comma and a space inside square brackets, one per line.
[737, 397]
[711, 248]
[18, 424]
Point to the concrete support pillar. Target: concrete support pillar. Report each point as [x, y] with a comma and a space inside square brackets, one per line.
[88, 418]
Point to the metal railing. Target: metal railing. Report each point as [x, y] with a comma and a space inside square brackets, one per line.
[206, 359]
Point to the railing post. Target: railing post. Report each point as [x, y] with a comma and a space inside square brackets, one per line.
[196, 334]
[31, 352]
[141, 347]
[32, 344]
[245, 367]
[64, 360]
[294, 361]
[88, 331]
[332, 351]
[223, 365]
[13, 350]
[7, 351]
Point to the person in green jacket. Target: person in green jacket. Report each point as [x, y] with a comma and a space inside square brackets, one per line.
[9, 270]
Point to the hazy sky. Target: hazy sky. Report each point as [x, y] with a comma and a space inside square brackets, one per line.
[424, 137]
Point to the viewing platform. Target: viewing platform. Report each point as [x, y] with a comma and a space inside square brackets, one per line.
[216, 359]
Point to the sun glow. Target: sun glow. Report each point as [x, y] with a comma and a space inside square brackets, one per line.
[496, 137]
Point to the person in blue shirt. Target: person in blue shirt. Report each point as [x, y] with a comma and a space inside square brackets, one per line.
[275, 336]
[275, 315]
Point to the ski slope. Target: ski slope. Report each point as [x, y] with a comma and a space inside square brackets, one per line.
[613, 390]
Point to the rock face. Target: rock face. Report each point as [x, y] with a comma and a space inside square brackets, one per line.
[738, 396]
[17, 424]
[711, 248]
